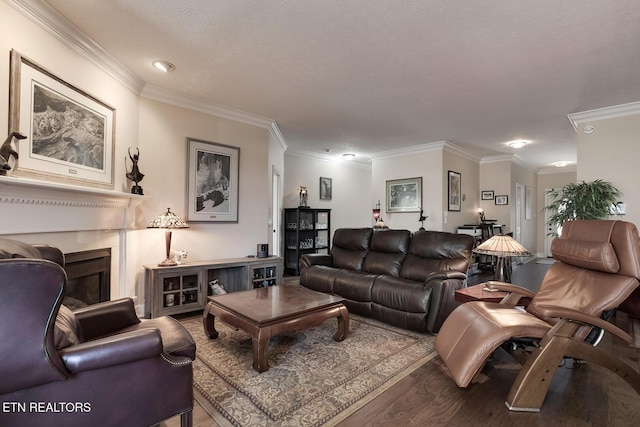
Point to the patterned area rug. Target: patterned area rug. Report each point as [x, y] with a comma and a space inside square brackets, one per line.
[312, 380]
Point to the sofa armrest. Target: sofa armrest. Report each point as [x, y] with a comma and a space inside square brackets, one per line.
[307, 260]
[110, 351]
[106, 317]
[51, 253]
[443, 285]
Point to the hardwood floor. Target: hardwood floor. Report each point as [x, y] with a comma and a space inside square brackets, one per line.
[580, 395]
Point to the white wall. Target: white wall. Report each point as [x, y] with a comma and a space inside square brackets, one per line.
[428, 165]
[163, 132]
[469, 171]
[350, 203]
[159, 131]
[611, 153]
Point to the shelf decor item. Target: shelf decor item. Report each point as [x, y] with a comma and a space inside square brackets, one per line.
[69, 133]
[168, 220]
[212, 181]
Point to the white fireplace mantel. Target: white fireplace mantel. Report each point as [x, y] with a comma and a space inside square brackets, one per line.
[31, 206]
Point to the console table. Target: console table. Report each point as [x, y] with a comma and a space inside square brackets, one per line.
[185, 287]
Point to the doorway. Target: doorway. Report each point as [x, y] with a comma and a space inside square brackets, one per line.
[275, 212]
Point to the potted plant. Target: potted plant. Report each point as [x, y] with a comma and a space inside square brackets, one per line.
[584, 200]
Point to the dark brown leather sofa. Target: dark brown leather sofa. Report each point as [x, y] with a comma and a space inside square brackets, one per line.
[97, 366]
[403, 279]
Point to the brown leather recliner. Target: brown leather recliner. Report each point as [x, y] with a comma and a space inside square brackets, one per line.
[599, 268]
[97, 366]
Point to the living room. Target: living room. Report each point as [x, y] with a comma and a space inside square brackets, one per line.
[156, 124]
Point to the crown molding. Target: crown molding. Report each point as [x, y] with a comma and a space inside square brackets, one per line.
[604, 113]
[358, 162]
[159, 94]
[511, 158]
[50, 20]
[405, 151]
[553, 169]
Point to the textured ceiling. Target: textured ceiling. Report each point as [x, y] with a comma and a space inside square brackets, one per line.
[368, 76]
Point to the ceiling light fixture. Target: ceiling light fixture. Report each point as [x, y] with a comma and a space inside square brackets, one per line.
[348, 156]
[588, 129]
[559, 164]
[518, 143]
[164, 66]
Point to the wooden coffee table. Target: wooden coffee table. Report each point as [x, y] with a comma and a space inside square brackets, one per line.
[265, 312]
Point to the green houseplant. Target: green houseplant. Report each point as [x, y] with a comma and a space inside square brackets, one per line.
[583, 200]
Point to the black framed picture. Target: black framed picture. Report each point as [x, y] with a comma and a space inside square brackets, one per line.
[502, 200]
[487, 195]
[325, 188]
[212, 179]
[455, 191]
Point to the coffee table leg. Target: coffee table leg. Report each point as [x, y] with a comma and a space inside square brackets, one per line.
[260, 341]
[343, 324]
[208, 322]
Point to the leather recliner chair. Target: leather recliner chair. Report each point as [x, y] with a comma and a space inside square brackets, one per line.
[99, 365]
[598, 268]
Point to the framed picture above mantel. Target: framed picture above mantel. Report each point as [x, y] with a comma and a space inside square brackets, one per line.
[70, 134]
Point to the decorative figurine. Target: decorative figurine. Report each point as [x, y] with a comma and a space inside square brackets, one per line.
[421, 219]
[135, 175]
[7, 150]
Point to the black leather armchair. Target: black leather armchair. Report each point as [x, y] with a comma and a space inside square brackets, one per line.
[97, 366]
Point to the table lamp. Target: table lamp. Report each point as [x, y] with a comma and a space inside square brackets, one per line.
[168, 220]
[502, 247]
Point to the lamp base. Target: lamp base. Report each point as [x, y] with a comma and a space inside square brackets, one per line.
[167, 263]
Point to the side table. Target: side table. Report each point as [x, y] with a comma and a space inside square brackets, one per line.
[478, 293]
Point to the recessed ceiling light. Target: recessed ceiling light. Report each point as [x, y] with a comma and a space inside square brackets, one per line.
[559, 164]
[348, 156]
[518, 143]
[164, 66]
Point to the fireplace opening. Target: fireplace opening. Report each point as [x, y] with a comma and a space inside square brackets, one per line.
[88, 274]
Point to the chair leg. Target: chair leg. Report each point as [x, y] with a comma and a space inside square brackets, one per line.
[186, 419]
[531, 385]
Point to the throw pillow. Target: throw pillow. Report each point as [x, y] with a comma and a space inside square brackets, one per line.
[66, 328]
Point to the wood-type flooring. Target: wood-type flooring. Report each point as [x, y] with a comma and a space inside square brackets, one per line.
[580, 395]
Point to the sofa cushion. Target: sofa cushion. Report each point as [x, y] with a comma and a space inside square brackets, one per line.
[431, 251]
[401, 294]
[65, 330]
[354, 285]
[387, 252]
[350, 246]
[319, 278]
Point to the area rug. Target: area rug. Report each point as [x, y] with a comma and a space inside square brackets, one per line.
[545, 261]
[312, 380]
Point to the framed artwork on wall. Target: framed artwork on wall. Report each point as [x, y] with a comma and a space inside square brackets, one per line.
[455, 191]
[69, 133]
[212, 181]
[487, 195]
[404, 195]
[325, 188]
[502, 200]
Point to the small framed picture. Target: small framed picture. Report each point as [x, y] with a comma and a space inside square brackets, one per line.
[487, 195]
[502, 200]
[325, 188]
